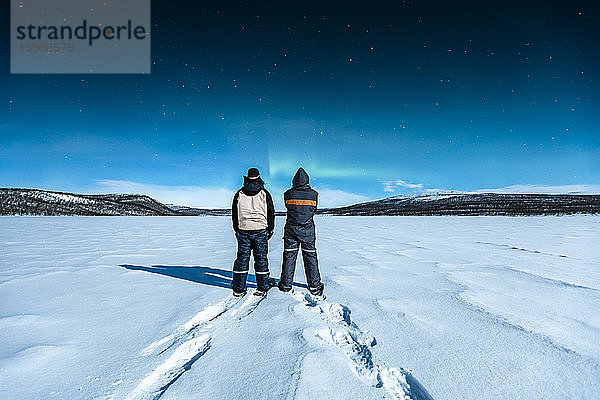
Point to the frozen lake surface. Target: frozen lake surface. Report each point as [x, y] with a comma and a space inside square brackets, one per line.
[459, 307]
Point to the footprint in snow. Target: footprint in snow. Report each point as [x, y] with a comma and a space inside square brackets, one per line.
[342, 332]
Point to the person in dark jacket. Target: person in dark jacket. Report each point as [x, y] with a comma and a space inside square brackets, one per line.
[253, 216]
[301, 205]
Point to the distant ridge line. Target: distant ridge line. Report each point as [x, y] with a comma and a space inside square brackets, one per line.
[517, 204]
[16, 201]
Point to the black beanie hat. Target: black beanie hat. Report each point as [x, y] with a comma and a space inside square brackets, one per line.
[253, 173]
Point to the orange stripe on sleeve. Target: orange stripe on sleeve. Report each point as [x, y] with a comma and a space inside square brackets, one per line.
[301, 202]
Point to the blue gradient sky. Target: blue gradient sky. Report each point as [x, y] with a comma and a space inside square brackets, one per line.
[373, 101]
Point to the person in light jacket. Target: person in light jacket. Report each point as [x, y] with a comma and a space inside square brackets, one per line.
[253, 216]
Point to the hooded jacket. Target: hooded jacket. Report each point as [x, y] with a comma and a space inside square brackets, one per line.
[300, 201]
[252, 207]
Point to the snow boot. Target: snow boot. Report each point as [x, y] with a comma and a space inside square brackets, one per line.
[271, 283]
[316, 291]
[281, 288]
[320, 297]
[239, 294]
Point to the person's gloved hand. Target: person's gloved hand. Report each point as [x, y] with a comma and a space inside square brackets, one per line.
[270, 235]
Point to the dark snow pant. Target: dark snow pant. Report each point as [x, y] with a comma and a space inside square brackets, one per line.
[294, 238]
[257, 243]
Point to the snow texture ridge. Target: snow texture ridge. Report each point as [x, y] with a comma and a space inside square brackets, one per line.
[198, 336]
[207, 314]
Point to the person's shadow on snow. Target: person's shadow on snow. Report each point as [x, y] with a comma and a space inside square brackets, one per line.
[199, 274]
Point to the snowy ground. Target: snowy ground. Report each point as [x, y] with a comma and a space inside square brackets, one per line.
[467, 307]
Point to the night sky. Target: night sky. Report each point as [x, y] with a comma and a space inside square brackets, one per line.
[372, 99]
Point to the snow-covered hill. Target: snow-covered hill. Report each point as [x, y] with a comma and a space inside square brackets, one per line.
[42, 202]
[475, 204]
